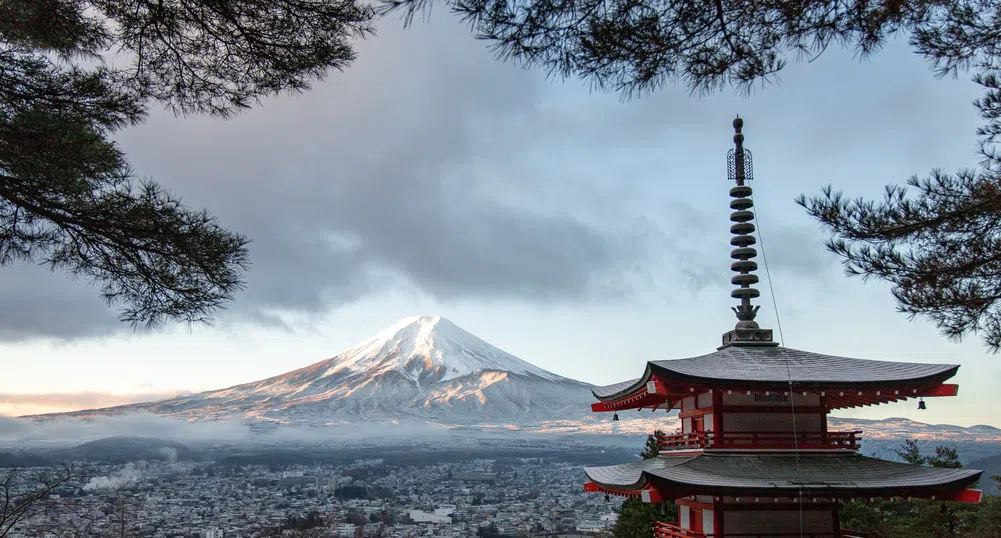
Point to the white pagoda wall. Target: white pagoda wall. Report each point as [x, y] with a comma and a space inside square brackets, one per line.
[778, 522]
[685, 519]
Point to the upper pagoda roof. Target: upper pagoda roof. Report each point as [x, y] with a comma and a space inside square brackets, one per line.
[781, 474]
[765, 367]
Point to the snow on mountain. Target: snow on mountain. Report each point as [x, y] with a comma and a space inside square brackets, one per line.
[419, 368]
[428, 349]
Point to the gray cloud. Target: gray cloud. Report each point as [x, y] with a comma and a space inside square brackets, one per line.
[430, 167]
[37, 300]
[698, 253]
[383, 177]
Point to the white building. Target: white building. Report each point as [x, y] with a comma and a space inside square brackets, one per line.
[345, 530]
[420, 516]
[445, 510]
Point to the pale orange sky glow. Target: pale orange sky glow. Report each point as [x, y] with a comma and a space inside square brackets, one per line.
[18, 404]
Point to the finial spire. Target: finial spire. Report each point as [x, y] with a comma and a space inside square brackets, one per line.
[739, 170]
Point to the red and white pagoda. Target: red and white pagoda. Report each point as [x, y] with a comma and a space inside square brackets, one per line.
[754, 457]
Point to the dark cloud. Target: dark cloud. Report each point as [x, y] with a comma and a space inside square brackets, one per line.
[383, 177]
[39, 303]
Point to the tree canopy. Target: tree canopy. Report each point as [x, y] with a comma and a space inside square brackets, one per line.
[940, 249]
[651, 449]
[636, 46]
[73, 72]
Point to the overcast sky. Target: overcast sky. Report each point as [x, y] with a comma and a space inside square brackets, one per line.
[580, 233]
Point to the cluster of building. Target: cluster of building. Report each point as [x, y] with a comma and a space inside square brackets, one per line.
[363, 500]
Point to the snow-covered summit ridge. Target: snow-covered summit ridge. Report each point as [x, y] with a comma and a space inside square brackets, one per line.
[428, 349]
[421, 368]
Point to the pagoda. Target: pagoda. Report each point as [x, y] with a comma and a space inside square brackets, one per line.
[754, 457]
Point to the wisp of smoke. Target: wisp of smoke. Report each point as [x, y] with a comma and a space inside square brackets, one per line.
[170, 453]
[126, 476]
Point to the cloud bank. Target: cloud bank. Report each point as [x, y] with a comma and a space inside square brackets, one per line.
[19, 433]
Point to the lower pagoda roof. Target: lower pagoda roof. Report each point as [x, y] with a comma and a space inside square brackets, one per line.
[839, 475]
[774, 367]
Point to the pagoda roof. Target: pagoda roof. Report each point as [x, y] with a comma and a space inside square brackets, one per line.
[773, 367]
[781, 474]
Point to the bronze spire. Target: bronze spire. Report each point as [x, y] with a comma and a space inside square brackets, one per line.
[739, 170]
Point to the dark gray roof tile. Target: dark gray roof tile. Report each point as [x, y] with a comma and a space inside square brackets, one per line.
[609, 390]
[774, 365]
[764, 473]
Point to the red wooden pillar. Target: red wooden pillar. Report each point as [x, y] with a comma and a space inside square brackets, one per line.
[823, 415]
[717, 418]
[695, 519]
[837, 518]
[718, 531]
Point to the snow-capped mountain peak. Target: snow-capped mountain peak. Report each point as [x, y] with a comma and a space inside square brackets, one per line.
[429, 349]
[423, 367]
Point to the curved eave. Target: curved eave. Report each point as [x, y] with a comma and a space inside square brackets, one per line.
[615, 390]
[942, 490]
[779, 475]
[810, 384]
[765, 368]
[633, 476]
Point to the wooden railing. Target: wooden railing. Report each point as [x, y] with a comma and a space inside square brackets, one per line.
[762, 440]
[673, 530]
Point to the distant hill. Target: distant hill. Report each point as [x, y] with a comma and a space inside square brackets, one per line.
[10, 459]
[991, 466]
[905, 428]
[123, 448]
[880, 438]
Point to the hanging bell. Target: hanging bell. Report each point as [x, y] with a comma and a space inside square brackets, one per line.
[615, 417]
[921, 404]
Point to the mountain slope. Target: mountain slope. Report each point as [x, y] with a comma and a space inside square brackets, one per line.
[422, 368]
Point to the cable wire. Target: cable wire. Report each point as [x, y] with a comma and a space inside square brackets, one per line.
[792, 393]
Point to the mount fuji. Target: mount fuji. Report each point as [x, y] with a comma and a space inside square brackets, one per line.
[423, 368]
